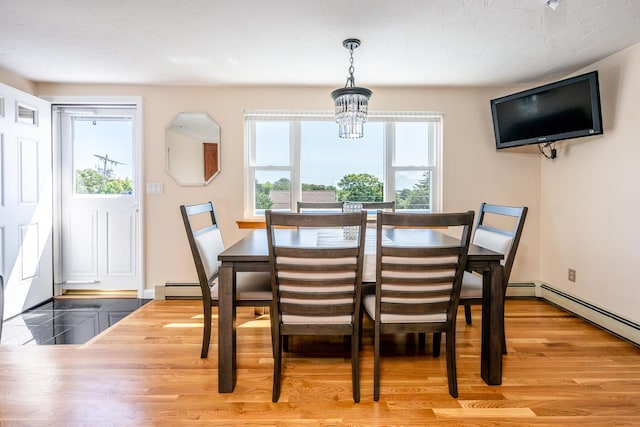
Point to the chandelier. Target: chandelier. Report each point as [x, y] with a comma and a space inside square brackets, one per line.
[352, 102]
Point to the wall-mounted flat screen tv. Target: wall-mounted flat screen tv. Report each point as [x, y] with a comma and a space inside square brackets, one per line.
[565, 109]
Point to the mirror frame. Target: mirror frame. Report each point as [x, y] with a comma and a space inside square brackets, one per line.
[182, 157]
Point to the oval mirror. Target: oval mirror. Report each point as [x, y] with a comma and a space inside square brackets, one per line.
[193, 148]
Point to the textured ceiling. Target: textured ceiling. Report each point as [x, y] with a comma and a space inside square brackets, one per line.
[299, 42]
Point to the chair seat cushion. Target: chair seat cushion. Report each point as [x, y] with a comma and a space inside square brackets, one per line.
[471, 286]
[250, 286]
[370, 307]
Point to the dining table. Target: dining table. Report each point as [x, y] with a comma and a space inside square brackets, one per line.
[251, 254]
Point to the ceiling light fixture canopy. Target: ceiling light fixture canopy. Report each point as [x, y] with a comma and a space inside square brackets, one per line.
[352, 102]
[553, 4]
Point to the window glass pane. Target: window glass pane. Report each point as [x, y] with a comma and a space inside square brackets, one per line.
[272, 144]
[413, 190]
[272, 191]
[103, 156]
[333, 169]
[411, 147]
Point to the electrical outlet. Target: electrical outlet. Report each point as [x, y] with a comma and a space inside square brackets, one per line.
[572, 275]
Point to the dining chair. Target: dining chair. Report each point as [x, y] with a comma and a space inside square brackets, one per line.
[317, 207]
[498, 228]
[316, 281]
[253, 289]
[418, 285]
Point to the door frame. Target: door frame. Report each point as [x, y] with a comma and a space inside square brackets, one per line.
[135, 101]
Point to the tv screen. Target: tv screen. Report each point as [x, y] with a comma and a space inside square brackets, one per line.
[565, 109]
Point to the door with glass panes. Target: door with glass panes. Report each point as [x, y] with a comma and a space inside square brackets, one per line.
[98, 209]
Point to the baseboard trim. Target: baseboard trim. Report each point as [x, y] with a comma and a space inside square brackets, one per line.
[598, 316]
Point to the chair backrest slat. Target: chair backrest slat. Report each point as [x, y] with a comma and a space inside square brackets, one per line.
[386, 206]
[318, 207]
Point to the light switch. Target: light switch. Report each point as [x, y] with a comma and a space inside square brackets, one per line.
[155, 188]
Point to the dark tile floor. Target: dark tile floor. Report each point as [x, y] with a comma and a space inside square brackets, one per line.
[67, 321]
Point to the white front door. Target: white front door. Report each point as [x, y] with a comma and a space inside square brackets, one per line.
[99, 198]
[26, 200]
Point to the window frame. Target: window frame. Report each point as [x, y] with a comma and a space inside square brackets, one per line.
[294, 118]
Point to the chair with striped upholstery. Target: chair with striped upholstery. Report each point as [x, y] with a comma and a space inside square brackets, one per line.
[418, 286]
[316, 281]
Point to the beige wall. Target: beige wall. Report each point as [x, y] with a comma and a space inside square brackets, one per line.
[590, 199]
[473, 170]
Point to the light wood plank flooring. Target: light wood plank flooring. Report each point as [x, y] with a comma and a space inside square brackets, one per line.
[146, 371]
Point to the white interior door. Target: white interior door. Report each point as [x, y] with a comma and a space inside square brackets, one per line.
[26, 197]
[99, 208]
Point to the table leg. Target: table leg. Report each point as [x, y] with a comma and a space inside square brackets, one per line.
[226, 329]
[492, 325]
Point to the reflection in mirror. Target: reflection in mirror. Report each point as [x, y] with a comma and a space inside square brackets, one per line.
[193, 148]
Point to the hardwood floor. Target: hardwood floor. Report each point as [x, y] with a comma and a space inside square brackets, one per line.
[146, 371]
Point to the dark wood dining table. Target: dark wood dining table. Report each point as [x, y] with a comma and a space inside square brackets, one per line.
[252, 254]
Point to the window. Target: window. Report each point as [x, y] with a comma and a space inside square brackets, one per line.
[298, 156]
[102, 155]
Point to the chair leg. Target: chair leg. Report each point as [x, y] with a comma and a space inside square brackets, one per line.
[277, 368]
[452, 375]
[467, 313]
[504, 338]
[376, 363]
[206, 331]
[355, 368]
[437, 339]
[422, 338]
[285, 343]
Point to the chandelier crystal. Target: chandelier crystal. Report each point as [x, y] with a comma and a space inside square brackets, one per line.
[351, 102]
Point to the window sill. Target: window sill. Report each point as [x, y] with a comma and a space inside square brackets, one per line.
[251, 223]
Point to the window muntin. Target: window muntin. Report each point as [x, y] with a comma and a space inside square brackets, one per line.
[397, 159]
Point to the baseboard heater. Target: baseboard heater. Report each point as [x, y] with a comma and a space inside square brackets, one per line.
[179, 290]
[190, 290]
[611, 322]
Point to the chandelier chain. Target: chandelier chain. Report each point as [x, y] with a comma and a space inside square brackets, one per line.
[351, 80]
